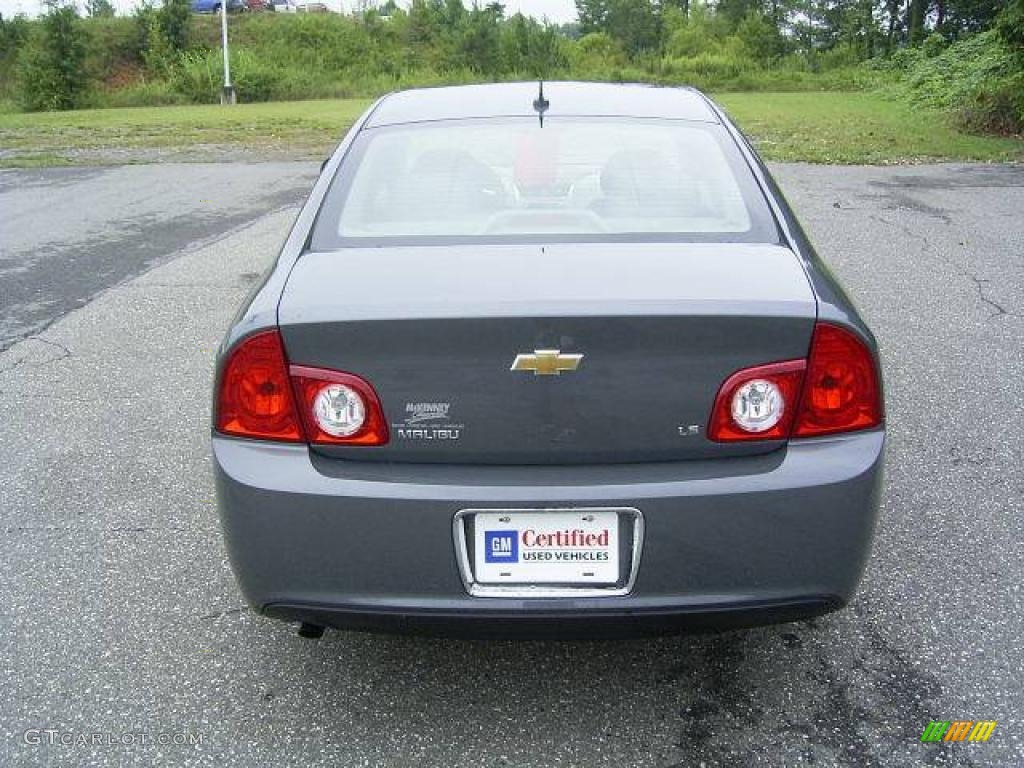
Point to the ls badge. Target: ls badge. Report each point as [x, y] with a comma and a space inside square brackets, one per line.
[546, 362]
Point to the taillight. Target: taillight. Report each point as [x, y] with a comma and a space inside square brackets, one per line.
[255, 397]
[842, 391]
[338, 408]
[757, 403]
[261, 397]
[837, 389]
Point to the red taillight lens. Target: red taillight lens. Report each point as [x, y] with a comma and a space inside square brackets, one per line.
[842, 390]
[255, 397]
[837, 389]
[785, 379]
[259, 392]
[322, 396]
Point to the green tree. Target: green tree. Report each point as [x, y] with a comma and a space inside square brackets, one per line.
[173, 19]
[735, 11]
[546, 54]
[424, 25]
[51, 71]
[13, 34]
[854, 25]
[454, 13]
[683, 6]
[1011, 27]
[955, 18]
[596, 52]
[672, 18]
[159, 55]
[144, 18]
[99, 9]
[892, 10]
[480, 39]
[915, 23]
[593, 15]
[702, 32]
[515, 43]
[635, 23]
[760, 37]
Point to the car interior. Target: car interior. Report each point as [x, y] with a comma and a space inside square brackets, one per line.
[551, 181]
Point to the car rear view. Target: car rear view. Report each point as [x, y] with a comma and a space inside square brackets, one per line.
[550, 361]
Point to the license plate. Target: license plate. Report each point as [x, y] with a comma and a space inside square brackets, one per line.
[551, 547]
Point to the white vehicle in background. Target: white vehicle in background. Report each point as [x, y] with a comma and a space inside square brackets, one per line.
[284, 6]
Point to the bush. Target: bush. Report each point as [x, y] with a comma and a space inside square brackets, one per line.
[173, 20]
[51, 74]
[978, 80]
[1010, 26]
[13, 34]
[841, 56]
[933, 45]
[597, 51]
[995, 109]
[151, 93]
[111, 44]
[760, 37]
[199, 77]
[692, 40]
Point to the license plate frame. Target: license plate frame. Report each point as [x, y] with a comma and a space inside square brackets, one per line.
[482, 581]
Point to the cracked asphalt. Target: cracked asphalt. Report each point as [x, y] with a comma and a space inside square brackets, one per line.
[119, 614]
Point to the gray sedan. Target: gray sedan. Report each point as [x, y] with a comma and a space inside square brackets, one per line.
[547, 359]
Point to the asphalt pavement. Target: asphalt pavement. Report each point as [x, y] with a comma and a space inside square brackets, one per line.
[120, 620]
[68, 233]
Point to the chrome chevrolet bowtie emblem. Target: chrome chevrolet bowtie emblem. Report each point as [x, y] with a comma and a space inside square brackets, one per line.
[546, 362]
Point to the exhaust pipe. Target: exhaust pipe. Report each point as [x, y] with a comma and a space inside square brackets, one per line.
[311, 631]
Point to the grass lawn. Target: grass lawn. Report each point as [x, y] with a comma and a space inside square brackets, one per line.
[302, 128]
[823, 127]
[856, 127]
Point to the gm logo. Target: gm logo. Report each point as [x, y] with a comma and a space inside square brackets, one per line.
[501, 546]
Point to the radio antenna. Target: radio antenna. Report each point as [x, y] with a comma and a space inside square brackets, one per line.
[540, 104]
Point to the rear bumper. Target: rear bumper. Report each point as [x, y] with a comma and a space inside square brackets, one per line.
[567, 624]
[727, 543]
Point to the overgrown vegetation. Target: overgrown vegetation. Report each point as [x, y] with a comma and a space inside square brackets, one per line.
[979, 80]
[49, 69]
[961, 56]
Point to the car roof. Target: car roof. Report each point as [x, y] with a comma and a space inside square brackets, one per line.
[564, 99]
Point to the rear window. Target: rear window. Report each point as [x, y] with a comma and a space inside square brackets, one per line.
[587, 179]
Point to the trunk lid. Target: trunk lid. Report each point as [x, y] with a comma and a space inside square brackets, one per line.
[436, 330]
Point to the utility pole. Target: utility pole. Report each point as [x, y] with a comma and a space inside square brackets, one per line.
[227, 95]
